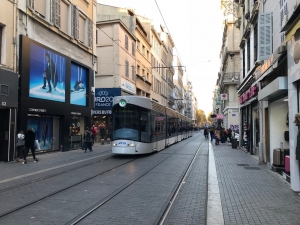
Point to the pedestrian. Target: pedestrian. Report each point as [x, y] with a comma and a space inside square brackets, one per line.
[222, 135]
[212, 134]
[229, 133]
[217, 135]
[205, 133]
[29, 144]
[20, 144]
[88, 139]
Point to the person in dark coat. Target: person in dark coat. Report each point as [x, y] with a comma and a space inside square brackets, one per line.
[50, 74]
[29, 144]
[205, 133]
[212, 134]
[229, 133]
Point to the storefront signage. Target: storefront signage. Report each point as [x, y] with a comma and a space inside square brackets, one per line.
[127, 86]
[37, 110]
[220, 116]
[76, 113]
[251, 93]
[101, 112]
[223, 97]
[104, 97]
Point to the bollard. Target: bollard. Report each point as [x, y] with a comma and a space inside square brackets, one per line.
[102, 141]
[61, 148]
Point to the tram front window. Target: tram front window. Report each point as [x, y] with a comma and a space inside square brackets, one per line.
[126, 122]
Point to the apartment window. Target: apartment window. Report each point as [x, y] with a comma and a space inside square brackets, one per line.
[64, 17]
[147, 54]
[96, 36]
[244, 57]
[126, 68]
[143, 72]
[4, 89]
[138, 70]
[40, 7]
[133, 49]
[133, 72]
[143, 50]
[248, 54]
[126, 42]
[138, 45]
[81, 27]
[255, 43]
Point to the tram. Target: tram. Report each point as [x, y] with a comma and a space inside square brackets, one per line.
[142, 126]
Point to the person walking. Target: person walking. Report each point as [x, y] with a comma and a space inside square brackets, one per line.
[29, 144]
[88, 139]
[229, 133]
[20, 144]
[205, 133]
[217, 134]
[222, 135]
[212, 134]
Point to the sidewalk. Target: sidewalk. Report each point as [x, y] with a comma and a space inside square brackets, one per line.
[252, 193]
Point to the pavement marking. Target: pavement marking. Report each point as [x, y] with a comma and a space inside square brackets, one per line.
[52, 168]
[214, 205]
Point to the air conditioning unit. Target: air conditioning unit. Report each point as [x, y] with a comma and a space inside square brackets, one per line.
[281, 49]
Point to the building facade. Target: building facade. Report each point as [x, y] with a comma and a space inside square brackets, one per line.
[56, 66]
[9, 75]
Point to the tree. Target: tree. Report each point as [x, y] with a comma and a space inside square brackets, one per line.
[209, 118]
[201, 117]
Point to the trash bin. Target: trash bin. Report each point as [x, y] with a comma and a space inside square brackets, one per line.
[234, 143]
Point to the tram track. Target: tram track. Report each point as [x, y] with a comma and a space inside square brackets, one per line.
[10, 212]
[161, 218]
[53, 175]
[91, 209]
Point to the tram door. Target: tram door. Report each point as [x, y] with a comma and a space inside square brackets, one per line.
[155, 128]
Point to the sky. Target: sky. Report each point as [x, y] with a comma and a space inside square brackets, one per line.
[196, 29]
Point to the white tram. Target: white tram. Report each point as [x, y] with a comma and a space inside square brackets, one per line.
[142, 126]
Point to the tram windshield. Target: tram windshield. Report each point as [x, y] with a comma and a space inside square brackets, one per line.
[131, 122]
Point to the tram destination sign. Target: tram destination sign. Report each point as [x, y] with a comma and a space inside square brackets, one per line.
[104, 97]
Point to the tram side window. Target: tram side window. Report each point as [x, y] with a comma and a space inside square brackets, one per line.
[145, 126]
[160, 124]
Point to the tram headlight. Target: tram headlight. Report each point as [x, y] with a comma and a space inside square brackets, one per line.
[114, 144]
[132, 145]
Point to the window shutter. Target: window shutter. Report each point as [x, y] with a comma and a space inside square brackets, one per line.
[30, 4]
[75, 22]
[57, 13]
[127, 68]
[90, 33]
[265, 36]
[52, 11]
[126, 42]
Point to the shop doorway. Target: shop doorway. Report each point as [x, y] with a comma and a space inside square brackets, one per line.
[4, 134]
[102, 126]
[267, 135]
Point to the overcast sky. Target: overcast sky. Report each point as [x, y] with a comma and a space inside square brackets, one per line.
[196, 29]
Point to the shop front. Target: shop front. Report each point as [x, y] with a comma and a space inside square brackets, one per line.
[8, 113]
[249, 128]
[293, 49]
[102, 114]
[54, 97]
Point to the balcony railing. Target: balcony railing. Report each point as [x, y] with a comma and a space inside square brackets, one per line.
[231, 78]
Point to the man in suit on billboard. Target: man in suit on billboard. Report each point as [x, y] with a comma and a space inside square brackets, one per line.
[50, 74]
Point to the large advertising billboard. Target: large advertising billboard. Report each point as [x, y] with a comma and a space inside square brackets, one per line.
[78, 85]
[104, 97]
[47, 74]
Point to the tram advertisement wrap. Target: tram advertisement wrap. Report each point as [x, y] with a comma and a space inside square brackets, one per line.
[104, 97]
[47, 74]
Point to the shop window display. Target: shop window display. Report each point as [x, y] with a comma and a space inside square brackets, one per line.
[76, 132]
[101, 128]
[46, 130]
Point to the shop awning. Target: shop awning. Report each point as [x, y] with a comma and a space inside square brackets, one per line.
[275, 88]
[291, 33]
